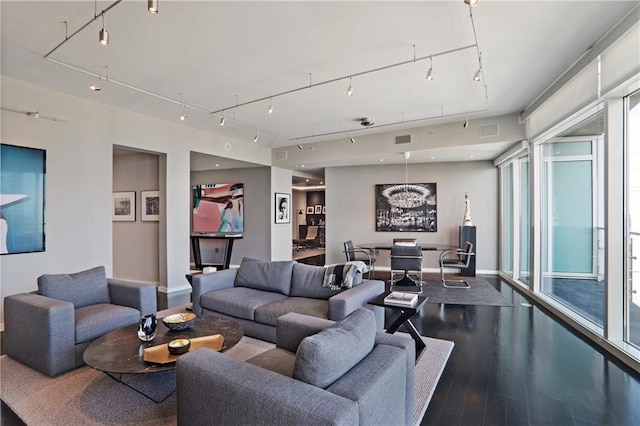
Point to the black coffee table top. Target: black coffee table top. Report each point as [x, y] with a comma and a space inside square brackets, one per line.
[379, 301]
[121, 351]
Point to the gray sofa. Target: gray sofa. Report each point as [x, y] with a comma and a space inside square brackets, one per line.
[49, 330]
[258, 292]
[320, 373]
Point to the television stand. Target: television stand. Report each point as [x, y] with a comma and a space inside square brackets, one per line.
[212, 250]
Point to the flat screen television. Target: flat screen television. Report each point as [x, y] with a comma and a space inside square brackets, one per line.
[218, 209]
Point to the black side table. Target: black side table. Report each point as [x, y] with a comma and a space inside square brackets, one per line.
[406, 312]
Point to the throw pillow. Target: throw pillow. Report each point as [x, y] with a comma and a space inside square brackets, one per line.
[82, 288]
[323, 358]
[340, 276]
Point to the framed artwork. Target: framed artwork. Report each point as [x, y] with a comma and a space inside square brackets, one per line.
[218, 208]
[150, 206]
[124, 206]
[22, 187]
[310, 210]
[324, 209]
[283, 208]
[406, 207]
[318, 209]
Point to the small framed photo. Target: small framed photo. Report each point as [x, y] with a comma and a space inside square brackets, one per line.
[324, 209]
[150, 206]
[124, 206]
[310, 210]
[318, 209]
[283, 208]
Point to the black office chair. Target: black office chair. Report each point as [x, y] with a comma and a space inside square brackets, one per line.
[458, 258]
[369, 257]
[406, 259]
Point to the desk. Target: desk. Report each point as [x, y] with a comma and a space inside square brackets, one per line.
[406, 281]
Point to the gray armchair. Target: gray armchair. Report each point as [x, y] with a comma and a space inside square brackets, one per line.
[49, 330]
[320, 373]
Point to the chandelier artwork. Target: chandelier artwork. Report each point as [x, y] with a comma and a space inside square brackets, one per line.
[407, 207]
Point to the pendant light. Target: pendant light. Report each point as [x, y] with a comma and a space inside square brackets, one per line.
[430, 72]
[152, 6]
[103, 35]
[350, 88]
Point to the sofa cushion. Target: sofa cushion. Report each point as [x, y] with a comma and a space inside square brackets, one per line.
[306, 281]
[239, 302]
[323, 358]
[82, 288]
[94, 321]
[268, 314]
[277, 360]
[264, 275]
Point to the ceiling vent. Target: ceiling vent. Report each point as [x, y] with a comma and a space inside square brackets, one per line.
[489, 130]
[281, 155]
[403, 139]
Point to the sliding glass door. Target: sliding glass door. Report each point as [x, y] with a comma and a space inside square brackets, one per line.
[570, 231]
[506, 226]
[632, 305]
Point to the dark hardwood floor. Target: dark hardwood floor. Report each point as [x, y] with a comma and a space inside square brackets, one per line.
[515, 366]
[520, 366]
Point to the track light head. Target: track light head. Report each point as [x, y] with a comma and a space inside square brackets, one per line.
[299, 146]
[95, 87]
[350, 91]
[104, 37]
[477, 75]
[222, 120]
[352, 140]
[152, 6]
[270, 109]
[255, 139]
[465, 124]
[183, 116]
[430, 74]
[471, 3]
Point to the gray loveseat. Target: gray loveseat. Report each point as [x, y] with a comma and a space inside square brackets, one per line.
[320, 373]
[258, 292]
[49, 330]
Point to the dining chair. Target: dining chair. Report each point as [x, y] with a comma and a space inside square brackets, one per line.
[353, 254]
[457, 258]
[406, 259]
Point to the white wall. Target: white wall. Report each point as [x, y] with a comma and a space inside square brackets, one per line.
[350, 200]
[79, 180]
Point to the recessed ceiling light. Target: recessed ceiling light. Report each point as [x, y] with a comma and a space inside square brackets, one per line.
[217, 165]
[432, 158]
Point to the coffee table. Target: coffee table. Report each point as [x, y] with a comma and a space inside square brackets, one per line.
[406, 312]
[120, 352]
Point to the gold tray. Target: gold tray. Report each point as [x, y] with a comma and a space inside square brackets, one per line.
[160, 354]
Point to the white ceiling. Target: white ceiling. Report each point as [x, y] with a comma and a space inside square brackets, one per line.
[211, 51]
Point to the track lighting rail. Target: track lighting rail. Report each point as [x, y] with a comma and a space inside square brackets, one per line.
[95, 18]
[345, 77]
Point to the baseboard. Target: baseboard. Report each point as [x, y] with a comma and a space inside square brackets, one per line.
[179, 289]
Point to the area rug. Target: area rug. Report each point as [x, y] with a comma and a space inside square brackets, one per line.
[481, 293]
[89, 397]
